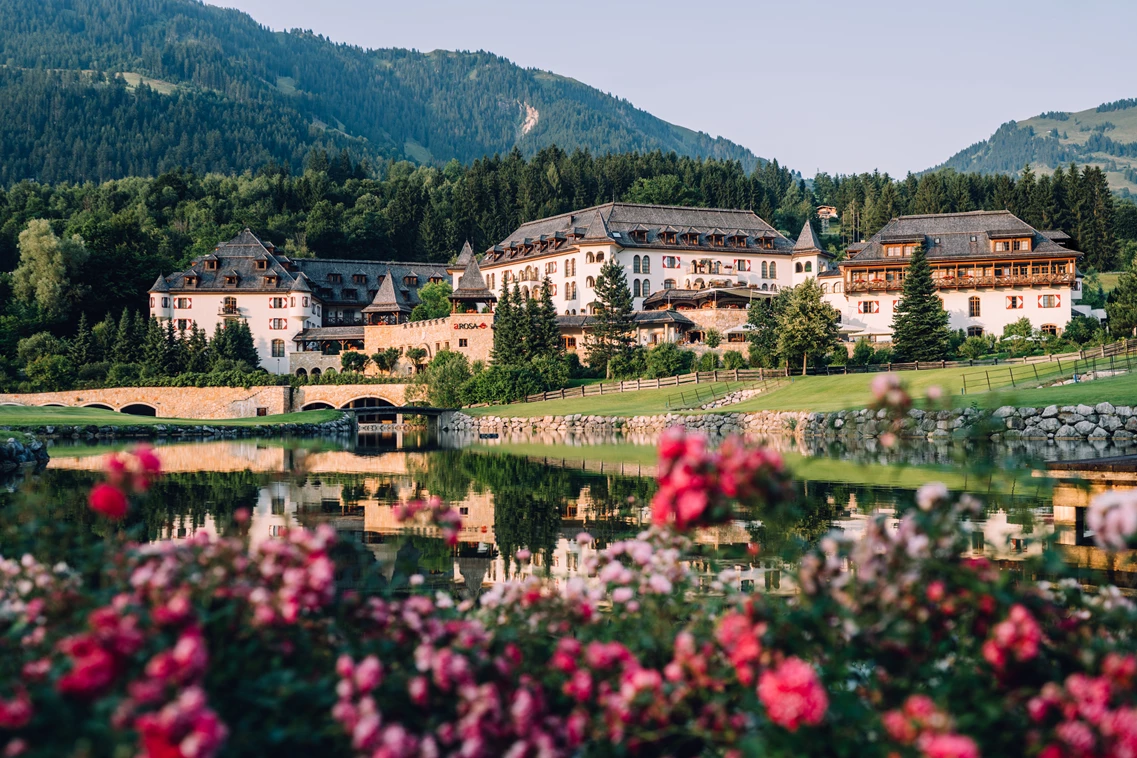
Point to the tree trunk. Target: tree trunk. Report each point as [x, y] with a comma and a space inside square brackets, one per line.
[804, 359]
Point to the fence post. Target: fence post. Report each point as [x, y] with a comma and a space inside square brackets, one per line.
[988, 374]
[736, 375]
[601, 386]
[1011, 371]
[964, 383]
[1035, 367]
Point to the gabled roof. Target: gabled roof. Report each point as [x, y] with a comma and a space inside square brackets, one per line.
[160, 285]
[301, 283]
[958, 236]
[472, 285]
[464, 257]
[389, 299]
[807, 241]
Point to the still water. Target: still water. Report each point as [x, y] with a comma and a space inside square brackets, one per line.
[540, 493]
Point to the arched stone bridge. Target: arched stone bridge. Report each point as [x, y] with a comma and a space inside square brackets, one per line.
[220, 402]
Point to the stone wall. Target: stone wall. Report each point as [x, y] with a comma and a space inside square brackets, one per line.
[170, 402]
[476, 329]
[340, 395]
[17, 453]
[1103, 422]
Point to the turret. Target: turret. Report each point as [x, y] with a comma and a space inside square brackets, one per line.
[300, 300]
[161, 305]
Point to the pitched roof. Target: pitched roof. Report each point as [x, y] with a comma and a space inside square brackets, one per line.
[807, 240]
[330, 333]
[957, 236]
[160, 285]
[301, 283]
[388, 299]
[472, 285]
[318, 269]
[615, 221]
[464, 257]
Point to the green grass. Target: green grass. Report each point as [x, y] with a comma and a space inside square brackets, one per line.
[1109, 280]
[640, 403]
[1119, 390]
[31, 416]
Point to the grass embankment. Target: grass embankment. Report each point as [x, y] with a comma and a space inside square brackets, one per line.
[852, 391]
[808, 468]
[34, 416]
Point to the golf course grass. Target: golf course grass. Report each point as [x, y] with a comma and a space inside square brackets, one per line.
[35, 416]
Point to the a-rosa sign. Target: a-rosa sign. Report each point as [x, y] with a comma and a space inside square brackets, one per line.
[468, 325]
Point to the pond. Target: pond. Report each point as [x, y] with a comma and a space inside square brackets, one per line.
[540, 494]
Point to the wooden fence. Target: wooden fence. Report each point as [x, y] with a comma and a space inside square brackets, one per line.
[634, 385]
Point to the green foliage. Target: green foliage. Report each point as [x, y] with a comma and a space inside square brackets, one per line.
[920, 326]
[713, 338]
[416, 355]
[668, 359]
[1122, 305]
[612, 330]
[435, 302]
[630, 364]
[862, 353]
[444, 379]
[51, 372]
[1018, 337]
[354, 361]
[974, 348]
[39, 345]
[386, 360]
[763, 317]
[807, 327]
[1081, 329]
[48, 274]
[1093, 294]
[708, 361]
[732, 359]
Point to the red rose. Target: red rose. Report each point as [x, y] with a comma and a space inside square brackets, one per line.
[107, 500]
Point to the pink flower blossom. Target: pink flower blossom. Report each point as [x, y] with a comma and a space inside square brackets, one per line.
[1112, 516]
[107, 500]
[793, 694]
[948, 746]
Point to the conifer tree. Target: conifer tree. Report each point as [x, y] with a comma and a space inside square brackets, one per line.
[1121, 307]
[920, 325]
[104, 334]
[807, 326]
[219, 347]
[197, 349]
[506, 343]
[613, 328]
[125, 345]
[546, 334]
[243, 347]
[177, 356]
[154, 349]
[82, 347]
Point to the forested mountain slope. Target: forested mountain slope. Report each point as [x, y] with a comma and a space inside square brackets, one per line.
[1105, 137]
[223, 93]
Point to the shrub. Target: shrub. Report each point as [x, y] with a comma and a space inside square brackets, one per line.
[708, 361]
[628, 364]
[974, 348]
[668, 359]
[863, 353]
[444, 379]
[732, 359]
[354, 361]
[713, 338]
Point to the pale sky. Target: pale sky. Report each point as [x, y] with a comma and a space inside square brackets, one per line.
[834, 86]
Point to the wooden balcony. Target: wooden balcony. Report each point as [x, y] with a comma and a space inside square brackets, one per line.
[969, 282]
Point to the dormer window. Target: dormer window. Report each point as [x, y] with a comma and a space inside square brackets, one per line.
[738, 240]
[717, 240]
[359, 278]
[335, 278]
[271, 280]
[410, 280]
[639, 235]
[350, 294]
[261, 265]
[231, 280]
[435, 279]
[191, 281]
[211, 265]
[691, 238]
[379, 279]
[670, 238]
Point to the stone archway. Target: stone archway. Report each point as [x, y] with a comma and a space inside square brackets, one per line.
[138, 409]
[317, 406]
[369, 401]
[100, 406]
[302, 372]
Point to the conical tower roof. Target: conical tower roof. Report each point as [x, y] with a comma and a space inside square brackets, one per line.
[472, 285]
[388, 299]
[807, 241]
[464, 258]
[301, 283]
[160, 285]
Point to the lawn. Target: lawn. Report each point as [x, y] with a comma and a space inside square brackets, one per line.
[639, 403]
[32, 416]
[1119, 390]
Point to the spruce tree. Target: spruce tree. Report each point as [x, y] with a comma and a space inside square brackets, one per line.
[1121, 307]
[154, 349]
[613, 328]
[920, 325]
[197, 349]
[82, 347]
[243, 347]
[125, 347]
[219, 349]
[505, 339]
[177, 356]
[546, 334]
[104, 338]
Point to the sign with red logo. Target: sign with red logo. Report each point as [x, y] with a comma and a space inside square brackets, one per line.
[468, 325]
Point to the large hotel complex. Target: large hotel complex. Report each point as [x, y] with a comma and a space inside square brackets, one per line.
[690, 270]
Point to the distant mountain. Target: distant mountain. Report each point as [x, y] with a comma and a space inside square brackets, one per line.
[1105, 136]
[97, 89]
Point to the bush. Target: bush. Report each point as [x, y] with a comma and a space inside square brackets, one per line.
[732, 359]
[668, 359]
[630, 364]
[713, 338]
[863, 353]
[123, 374]
[502, 384]
[708, 361]
[974, 348]
[94, 372]
[882, 355]
[445, 378]
[1080, 329]
[354, 361]
[51, 372]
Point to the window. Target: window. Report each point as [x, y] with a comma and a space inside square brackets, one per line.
[569, 342]
[261, 265]
[570, 267]
[893, 251]
[868, 306]
[765, 271]
[589, 257]
[669, 284]
[551, 267]
[278, 323]
[463, 343]
[1049, 301]
[808, 266]
[410, 280]
[797, 267]
[773, 270]
[670, 261]
[335, 278]
[278, 348]
[229, 305]
[1014, 302]
[636, 265]
[590, 282]
[636, 288]
[211, 265]
[359, 278]
[973, 307]
[184, 323]
[645, 265]
[600, 257]
[1023, 245]
[645, 289]
[183, 302]
[741, 264]
[276, 302]
[837, 286]
[1049, 329]
[350, 294]
[552, 289]
[974, 331]
[825, 289]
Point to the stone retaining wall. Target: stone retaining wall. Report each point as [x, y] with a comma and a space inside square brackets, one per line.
[342, 425]
[16, 454]
[170, 402]
[1081, 422]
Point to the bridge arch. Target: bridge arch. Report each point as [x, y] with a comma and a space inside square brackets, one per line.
[138, 409]
[100, 406]
[369, 401]
[317, 406]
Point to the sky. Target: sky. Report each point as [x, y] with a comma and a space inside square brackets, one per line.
[841, 87]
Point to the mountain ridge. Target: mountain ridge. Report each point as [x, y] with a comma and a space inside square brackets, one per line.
[210, 64]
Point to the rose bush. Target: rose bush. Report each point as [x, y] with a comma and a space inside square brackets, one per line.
[893, 645]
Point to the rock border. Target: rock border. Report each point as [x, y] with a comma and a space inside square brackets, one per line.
[343, 425]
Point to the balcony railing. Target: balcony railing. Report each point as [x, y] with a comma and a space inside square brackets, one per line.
[968, 282]
[228, 310]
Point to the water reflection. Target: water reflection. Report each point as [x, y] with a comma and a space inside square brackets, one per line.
[523, 495]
